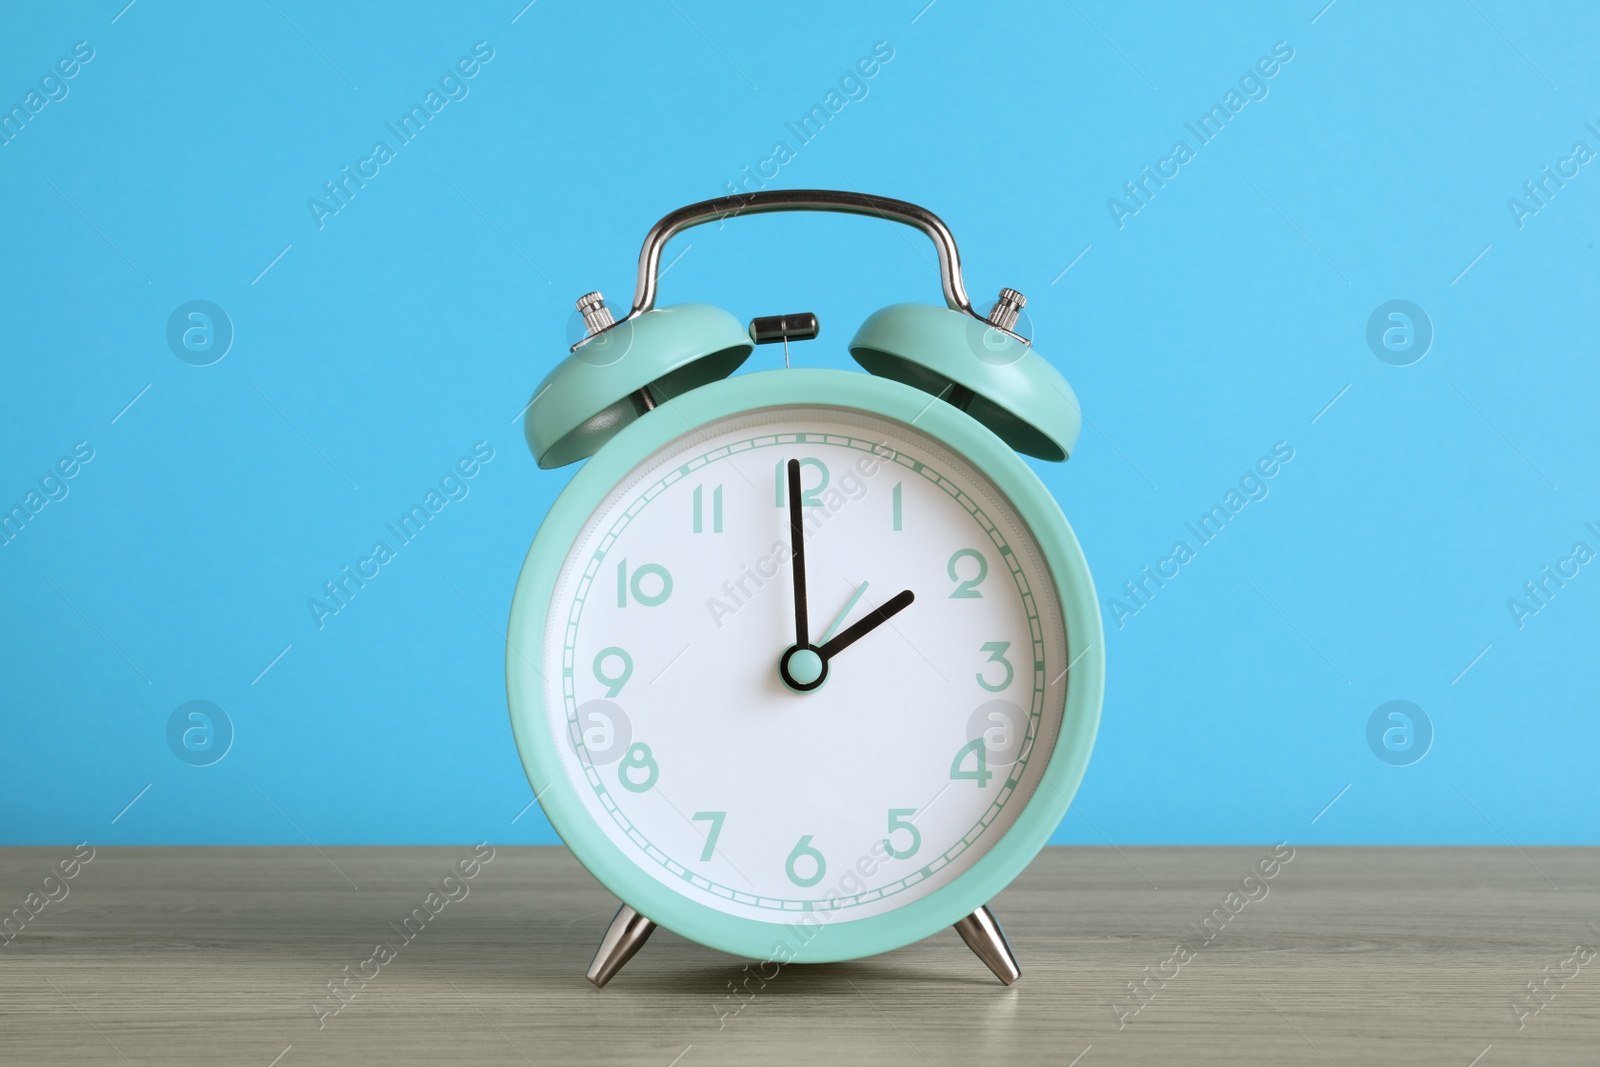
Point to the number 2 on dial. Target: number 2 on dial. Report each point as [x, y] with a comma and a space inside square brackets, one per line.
[967, 588]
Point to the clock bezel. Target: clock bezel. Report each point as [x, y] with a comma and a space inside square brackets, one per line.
[841, 939]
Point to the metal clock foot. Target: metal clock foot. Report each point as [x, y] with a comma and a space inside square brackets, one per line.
[982, 933]
[626, 935]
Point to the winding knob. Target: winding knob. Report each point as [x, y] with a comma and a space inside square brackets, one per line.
[1005, 311]
[596, 316]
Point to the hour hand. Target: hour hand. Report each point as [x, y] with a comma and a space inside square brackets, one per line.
[804, 668]
[882, 614]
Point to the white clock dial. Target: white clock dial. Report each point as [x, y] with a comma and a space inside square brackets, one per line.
[929, 733]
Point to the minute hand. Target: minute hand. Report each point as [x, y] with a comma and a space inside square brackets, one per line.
[797, 552]
[850, 635]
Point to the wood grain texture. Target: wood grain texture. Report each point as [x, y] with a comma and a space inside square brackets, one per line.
[215, 956]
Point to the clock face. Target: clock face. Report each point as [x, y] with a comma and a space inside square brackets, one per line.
[708, 767]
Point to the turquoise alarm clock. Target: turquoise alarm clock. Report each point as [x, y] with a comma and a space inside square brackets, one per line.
[804, 665]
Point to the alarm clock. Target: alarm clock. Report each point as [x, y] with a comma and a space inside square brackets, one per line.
[804, 665]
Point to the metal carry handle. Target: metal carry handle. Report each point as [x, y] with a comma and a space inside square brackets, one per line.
[725, 207]
[598, 319]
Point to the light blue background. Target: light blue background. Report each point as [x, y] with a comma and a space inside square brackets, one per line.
[1224, 317]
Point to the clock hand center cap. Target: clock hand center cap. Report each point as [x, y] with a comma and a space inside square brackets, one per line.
[802, 669]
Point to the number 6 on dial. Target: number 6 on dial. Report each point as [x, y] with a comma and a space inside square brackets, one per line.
[804, 849]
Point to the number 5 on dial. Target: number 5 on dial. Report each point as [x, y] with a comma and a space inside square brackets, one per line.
[896, 822]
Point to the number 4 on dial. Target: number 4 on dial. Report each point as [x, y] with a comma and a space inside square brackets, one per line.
[980, 771]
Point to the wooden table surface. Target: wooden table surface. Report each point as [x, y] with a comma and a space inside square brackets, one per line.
[1345, 955]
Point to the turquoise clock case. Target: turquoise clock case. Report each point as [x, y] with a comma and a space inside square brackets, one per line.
[999, 380]
[589, 397]
[813, 937]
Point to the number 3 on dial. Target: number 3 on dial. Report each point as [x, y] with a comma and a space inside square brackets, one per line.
[997, 654]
